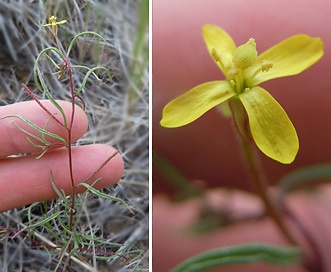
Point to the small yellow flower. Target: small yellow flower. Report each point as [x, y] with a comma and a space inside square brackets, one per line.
[54, 23]
[244, 70]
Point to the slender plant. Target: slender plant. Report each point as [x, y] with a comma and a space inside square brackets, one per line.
[259, 119]
[60, 60]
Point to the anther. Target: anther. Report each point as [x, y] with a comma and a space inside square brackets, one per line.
[233, 72]
[266, 65]
[216, 57]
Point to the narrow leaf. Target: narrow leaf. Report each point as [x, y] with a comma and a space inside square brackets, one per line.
[57, 191]
[39, 129]
[100, 194]
[39, 78]
[240, 254]
[306, 176]
[81, 34]
[43, 222]
[91, 71]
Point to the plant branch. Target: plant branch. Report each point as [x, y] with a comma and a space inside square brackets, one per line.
[40, 104]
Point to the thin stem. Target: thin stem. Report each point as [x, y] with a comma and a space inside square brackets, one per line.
[315, 264]
[101, 166]
[260, 185]
[69, 129]
[40, 104]
[261, 188]
[256, 174]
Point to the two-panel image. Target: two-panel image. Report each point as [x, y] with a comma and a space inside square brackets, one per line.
[154, 135]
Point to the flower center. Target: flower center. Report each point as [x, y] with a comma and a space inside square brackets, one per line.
[244, 56]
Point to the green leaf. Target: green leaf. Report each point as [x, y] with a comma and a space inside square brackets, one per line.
[42, 222]
[91, 71]
[240, 254]
[60, 194]
[38, 77]
[81, 34]
[100, 194]
[182, 185]
[306, 176]
[35, 127]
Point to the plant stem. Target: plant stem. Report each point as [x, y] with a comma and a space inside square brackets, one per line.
[260, 185]
[261, 188]
[69, 130]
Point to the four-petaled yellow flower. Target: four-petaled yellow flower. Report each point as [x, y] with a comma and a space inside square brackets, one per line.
[244, 69]
[54, 23]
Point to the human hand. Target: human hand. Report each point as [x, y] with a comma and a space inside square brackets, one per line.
[25, 179]
[173, 242]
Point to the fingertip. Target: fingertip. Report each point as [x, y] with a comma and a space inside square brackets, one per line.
[113, 170]
[25, 180]
[13, 141]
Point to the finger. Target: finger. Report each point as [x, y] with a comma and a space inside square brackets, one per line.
[177, 231]
[14, 141]
[24, 180]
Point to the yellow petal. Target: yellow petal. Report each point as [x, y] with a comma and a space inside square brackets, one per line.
[289, 57]
[191, 105]
[216, 38]
[55, 23]
[272, 130]
[61, 22]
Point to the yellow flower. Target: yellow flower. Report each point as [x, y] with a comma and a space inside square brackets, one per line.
[244, 69]
[54, 23]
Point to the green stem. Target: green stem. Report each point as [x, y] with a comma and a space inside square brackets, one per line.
[260, 186]
[256, 174]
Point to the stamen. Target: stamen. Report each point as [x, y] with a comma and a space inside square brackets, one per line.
[215, 55]
[265, 67]
[233, 72]
[217, 58]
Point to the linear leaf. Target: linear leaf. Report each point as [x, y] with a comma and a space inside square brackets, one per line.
[100, 194]
[81, 34]
[306, 176]
[39, 129]
[240, 254]
[38, 75]
[91, 71]
[44, 221]
[57, 191]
